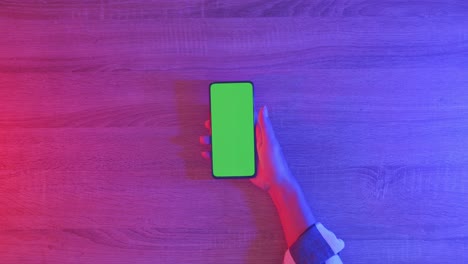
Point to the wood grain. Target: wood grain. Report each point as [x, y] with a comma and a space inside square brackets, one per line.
[141, 10]
[102, 103]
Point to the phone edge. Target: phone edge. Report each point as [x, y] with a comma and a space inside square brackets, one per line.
[255, 139]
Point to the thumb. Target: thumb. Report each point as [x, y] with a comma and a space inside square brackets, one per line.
[268, 135]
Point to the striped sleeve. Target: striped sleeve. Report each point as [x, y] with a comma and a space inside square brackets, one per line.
[316, 245]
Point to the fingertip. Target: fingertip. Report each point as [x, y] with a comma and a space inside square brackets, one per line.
[206, 140]
[260, 114]
[261, 117]
[206, 155]
[266, 127]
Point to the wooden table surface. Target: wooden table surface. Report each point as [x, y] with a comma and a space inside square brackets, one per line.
[102, 103]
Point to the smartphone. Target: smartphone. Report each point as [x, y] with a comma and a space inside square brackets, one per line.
[233, 153]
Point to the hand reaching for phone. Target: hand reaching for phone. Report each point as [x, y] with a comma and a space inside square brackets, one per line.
[272, 169]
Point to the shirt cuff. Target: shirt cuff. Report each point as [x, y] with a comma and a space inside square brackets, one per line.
[315, 246]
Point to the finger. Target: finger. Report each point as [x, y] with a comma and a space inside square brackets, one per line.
[208, 124]
[206, 140]
[206, 155]
[268, 135]
[258, 133]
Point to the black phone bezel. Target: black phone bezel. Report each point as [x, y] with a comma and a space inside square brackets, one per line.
[255, 140]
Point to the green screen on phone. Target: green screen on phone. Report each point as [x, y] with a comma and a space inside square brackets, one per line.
[232, 129]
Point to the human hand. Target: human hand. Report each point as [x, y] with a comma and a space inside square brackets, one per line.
[272, 168]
